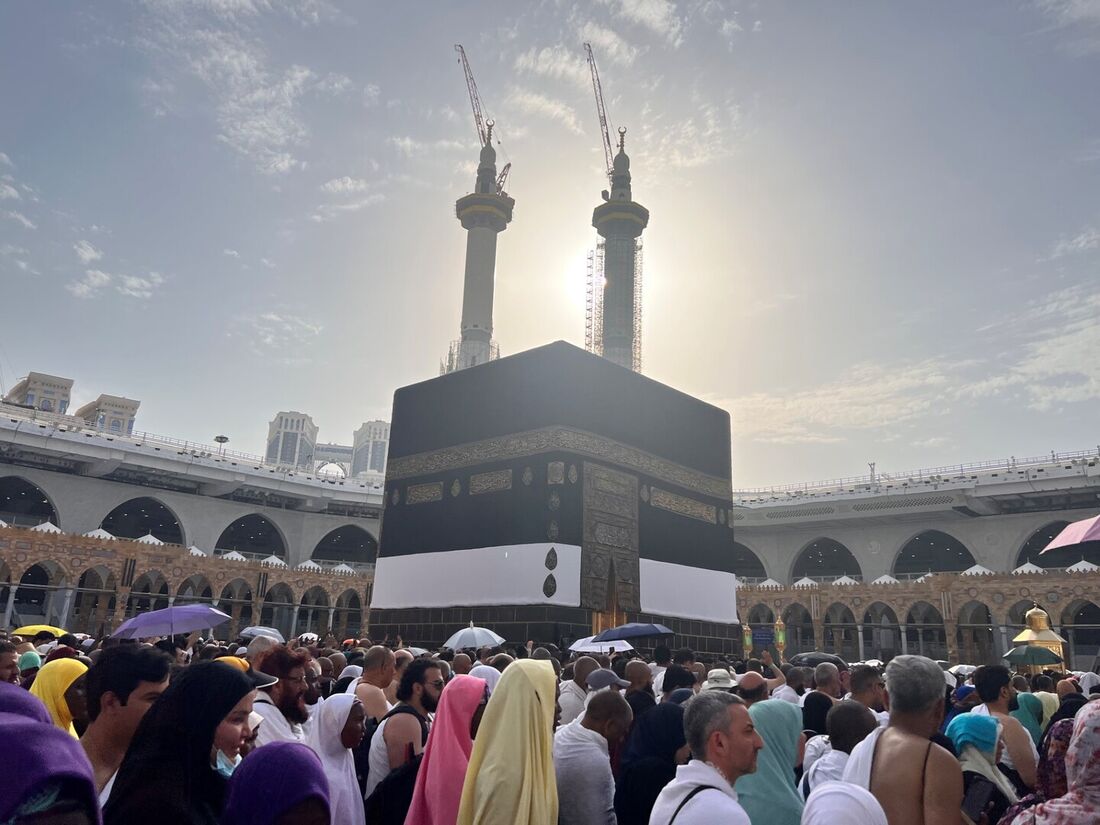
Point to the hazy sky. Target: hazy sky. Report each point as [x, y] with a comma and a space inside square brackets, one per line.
[875, 229]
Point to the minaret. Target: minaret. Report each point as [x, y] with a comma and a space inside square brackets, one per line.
[483, 214]
[620, 221]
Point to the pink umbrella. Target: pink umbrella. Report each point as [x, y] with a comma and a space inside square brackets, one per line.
[1077, 533]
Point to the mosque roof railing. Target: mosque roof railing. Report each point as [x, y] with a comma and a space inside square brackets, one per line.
[909, 481]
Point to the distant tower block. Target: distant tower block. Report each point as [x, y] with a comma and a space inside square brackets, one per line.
[484, 214]
[619, 222]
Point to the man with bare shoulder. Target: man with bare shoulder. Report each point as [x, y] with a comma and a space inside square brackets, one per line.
[402, 658]
[916, 781]
[1020, 759]
[378, 670]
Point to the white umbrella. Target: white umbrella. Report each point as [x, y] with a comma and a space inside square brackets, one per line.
[586, 645]
[260, 630]
[962, 670]
[473, 637]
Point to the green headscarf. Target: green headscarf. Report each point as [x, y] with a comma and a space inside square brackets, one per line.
[769, 795]
[1030, 715]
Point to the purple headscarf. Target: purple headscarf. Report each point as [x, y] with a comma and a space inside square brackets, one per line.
[21, 702]
[36, 755]
[271, 780]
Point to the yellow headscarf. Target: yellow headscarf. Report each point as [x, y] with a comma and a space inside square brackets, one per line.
[511, 774]
[50, 685]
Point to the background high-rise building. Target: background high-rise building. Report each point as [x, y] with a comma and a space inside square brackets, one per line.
[372, 442]
[112, 413]
[291, 440]
[47, 393]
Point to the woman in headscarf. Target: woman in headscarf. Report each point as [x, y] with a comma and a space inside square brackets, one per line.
[1029, 713]
[511, 777]
[184, 750]
[438, 789]
[60, 686]
[490, 674]
[29, 663]
[842, 803]
[45, 772]
[1081, 802]
[336, 728]
[814, 710]
[282, 782]
[963, 700]
[769, 795]
[977, 741]
[655, 747]
[348, 679]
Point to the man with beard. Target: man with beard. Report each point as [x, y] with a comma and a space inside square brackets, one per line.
[283, 704]
[403, 731]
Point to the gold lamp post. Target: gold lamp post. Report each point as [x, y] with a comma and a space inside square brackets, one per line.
[780, 636]
[746, 639]
[1038, 633]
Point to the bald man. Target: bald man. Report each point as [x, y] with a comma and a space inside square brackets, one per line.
[378, 669]
[574, 691]
[752, 687]
[640, 693]
[402, 658]
[582, 765]
[461, 664]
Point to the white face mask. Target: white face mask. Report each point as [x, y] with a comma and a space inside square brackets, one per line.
[224, 765]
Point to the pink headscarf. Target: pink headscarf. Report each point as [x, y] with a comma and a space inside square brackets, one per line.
[1082, 802]
[439, 781]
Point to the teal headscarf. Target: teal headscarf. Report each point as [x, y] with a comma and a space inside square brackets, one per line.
[769, 795]
[974, 729]
[1030, 715]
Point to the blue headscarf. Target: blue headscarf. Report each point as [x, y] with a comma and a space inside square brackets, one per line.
[973, 729]
[769, 795]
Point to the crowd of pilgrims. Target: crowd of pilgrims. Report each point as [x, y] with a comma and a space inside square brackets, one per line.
[314, 732]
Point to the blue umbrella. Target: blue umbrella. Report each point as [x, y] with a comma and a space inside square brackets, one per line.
[631, 630]
[170, 621]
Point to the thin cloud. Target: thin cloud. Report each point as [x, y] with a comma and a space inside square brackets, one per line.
[20, 218]
[607, 44]
[344, 185]
[659, 16]
[533, 103]
[328, 211]
[557, 63]
[93, 282]
[86, 252]
[1084, 241]
[411, 147]
[282, 336]
[231, 253]
[139, 287]
[6, 161]
[8, 192]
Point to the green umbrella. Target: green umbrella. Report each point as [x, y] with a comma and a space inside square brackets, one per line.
[1032, 655]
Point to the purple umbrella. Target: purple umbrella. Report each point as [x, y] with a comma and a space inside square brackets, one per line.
[1077, 533]
[170, 621]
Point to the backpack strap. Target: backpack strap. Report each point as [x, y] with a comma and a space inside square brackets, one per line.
[397, 709]
[691, 795]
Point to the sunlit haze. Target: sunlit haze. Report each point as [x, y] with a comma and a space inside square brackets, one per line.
[874, 231]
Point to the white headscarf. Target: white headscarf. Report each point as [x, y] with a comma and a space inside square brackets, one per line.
[1089, 680]
[351, 670]
[324, 738]
[836, 802]
[490, 674]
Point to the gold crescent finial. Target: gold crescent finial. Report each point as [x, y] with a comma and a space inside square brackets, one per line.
[622, 137]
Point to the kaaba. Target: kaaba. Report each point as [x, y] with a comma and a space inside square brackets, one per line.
[552, 494]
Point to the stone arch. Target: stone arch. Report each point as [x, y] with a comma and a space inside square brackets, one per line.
[800, 629]
[277, 609]
[142, 515]
[974, 634]
[924, 631]
[349, 543]
[1081, 630]
[761, 616]
[313, 616]
[747, 565]
[349, 615]
[236, 600]
[39, 596]
[1060, 558]
[931, 551]
[825, 559]
[881, 632]
[253, 535]
[25, 504]
[148, 592]
[96, 596]
[839, 632]
[195, 588]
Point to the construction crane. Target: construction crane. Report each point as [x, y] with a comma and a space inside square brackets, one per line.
[601, 110]
[484, 129]
[502, 178]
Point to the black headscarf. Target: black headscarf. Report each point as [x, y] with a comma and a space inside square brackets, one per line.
[814, 710]
[648, 762]
[166, 776]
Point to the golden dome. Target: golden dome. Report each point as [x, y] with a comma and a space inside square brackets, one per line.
[1037, 619]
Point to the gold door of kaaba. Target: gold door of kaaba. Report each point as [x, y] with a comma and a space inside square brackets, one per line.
[609, 553]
